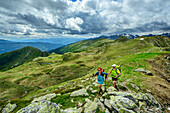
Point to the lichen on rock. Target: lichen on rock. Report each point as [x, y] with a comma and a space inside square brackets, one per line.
[81, 92]
[9, 108]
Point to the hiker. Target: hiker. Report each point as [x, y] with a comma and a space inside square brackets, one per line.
[100, 77]
[115, 73]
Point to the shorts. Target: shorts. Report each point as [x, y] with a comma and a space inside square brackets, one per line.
[114, 79]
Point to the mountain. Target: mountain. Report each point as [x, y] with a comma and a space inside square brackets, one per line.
[63, 41]
[15, 58]
[166, 34]
[6, 46]
[114, 37]
[64, 82]
[81, 45]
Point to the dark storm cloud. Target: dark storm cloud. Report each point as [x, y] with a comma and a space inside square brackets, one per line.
[53, 17]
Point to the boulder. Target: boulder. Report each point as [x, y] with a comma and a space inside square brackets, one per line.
[9, 108]
[119, 103]
[135, 87]
[81, 92]
[147, 72]
[90, 107]
[111, 90]
[140, 70]
[47, 97]
[41, 107]
[107, 103]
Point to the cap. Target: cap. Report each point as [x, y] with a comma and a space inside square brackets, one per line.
[114, 65]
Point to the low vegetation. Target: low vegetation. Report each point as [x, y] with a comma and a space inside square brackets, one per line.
[43, 75]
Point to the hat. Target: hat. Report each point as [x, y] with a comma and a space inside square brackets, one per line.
[114, 65]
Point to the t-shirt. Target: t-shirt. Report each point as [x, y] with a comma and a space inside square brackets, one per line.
[114, 72]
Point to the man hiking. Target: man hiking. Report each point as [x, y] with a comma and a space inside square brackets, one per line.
[115, 73]
[100, 78]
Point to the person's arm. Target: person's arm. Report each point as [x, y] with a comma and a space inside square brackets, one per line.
[110, 71]
[95, 74]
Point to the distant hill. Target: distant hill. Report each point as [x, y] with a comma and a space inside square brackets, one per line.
[6, 46]
[81, 45]
[15, 58]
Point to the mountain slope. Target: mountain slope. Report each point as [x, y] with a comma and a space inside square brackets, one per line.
[6, 46]
[14, 58]
[63, 74]
[82, 45]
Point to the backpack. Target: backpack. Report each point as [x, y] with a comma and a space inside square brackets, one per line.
[118, 68]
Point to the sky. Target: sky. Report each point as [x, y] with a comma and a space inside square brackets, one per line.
[82, 18]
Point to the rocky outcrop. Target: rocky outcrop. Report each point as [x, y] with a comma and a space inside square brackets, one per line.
[112, 101]
[81, 92]
[47, 97]
[41, 107]
[147, 72]
[9, 108]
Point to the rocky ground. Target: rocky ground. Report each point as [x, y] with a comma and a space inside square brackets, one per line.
[86, 100]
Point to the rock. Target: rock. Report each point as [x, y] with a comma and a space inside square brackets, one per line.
[153, 101]
[47, 97]
[107, 103]
[94, 91]
[79, 104]
[83, 81]
[72, 100]
[141, 97]
[142, 104]
[9, 108]
[41, 107]
[81, 92]
[72, 110]
[101, 99]
[148, 72]
[120, 86]
[87, 100]
[118, 102]
[124, 110]
[140, 70]
[148, 91]
[105, 94]
[135, 87]
[107, 111]
[101, 106]
[90, 107]
[111, 90]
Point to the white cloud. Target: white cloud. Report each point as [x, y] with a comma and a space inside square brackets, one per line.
[73, 23]
[84, 17]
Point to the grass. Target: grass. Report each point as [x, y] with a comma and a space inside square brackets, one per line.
[39, 80]
[65, 101]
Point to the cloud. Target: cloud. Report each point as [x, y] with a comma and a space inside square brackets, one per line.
[73, 23]
[61, 17]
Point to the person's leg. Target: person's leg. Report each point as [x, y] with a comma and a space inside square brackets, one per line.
[114, 84]
[99, 88]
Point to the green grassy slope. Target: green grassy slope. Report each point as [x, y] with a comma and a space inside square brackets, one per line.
[15, 58]
[82, 46]
[44, 74]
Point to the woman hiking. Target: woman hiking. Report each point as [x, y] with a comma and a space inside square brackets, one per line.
[100, 78]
